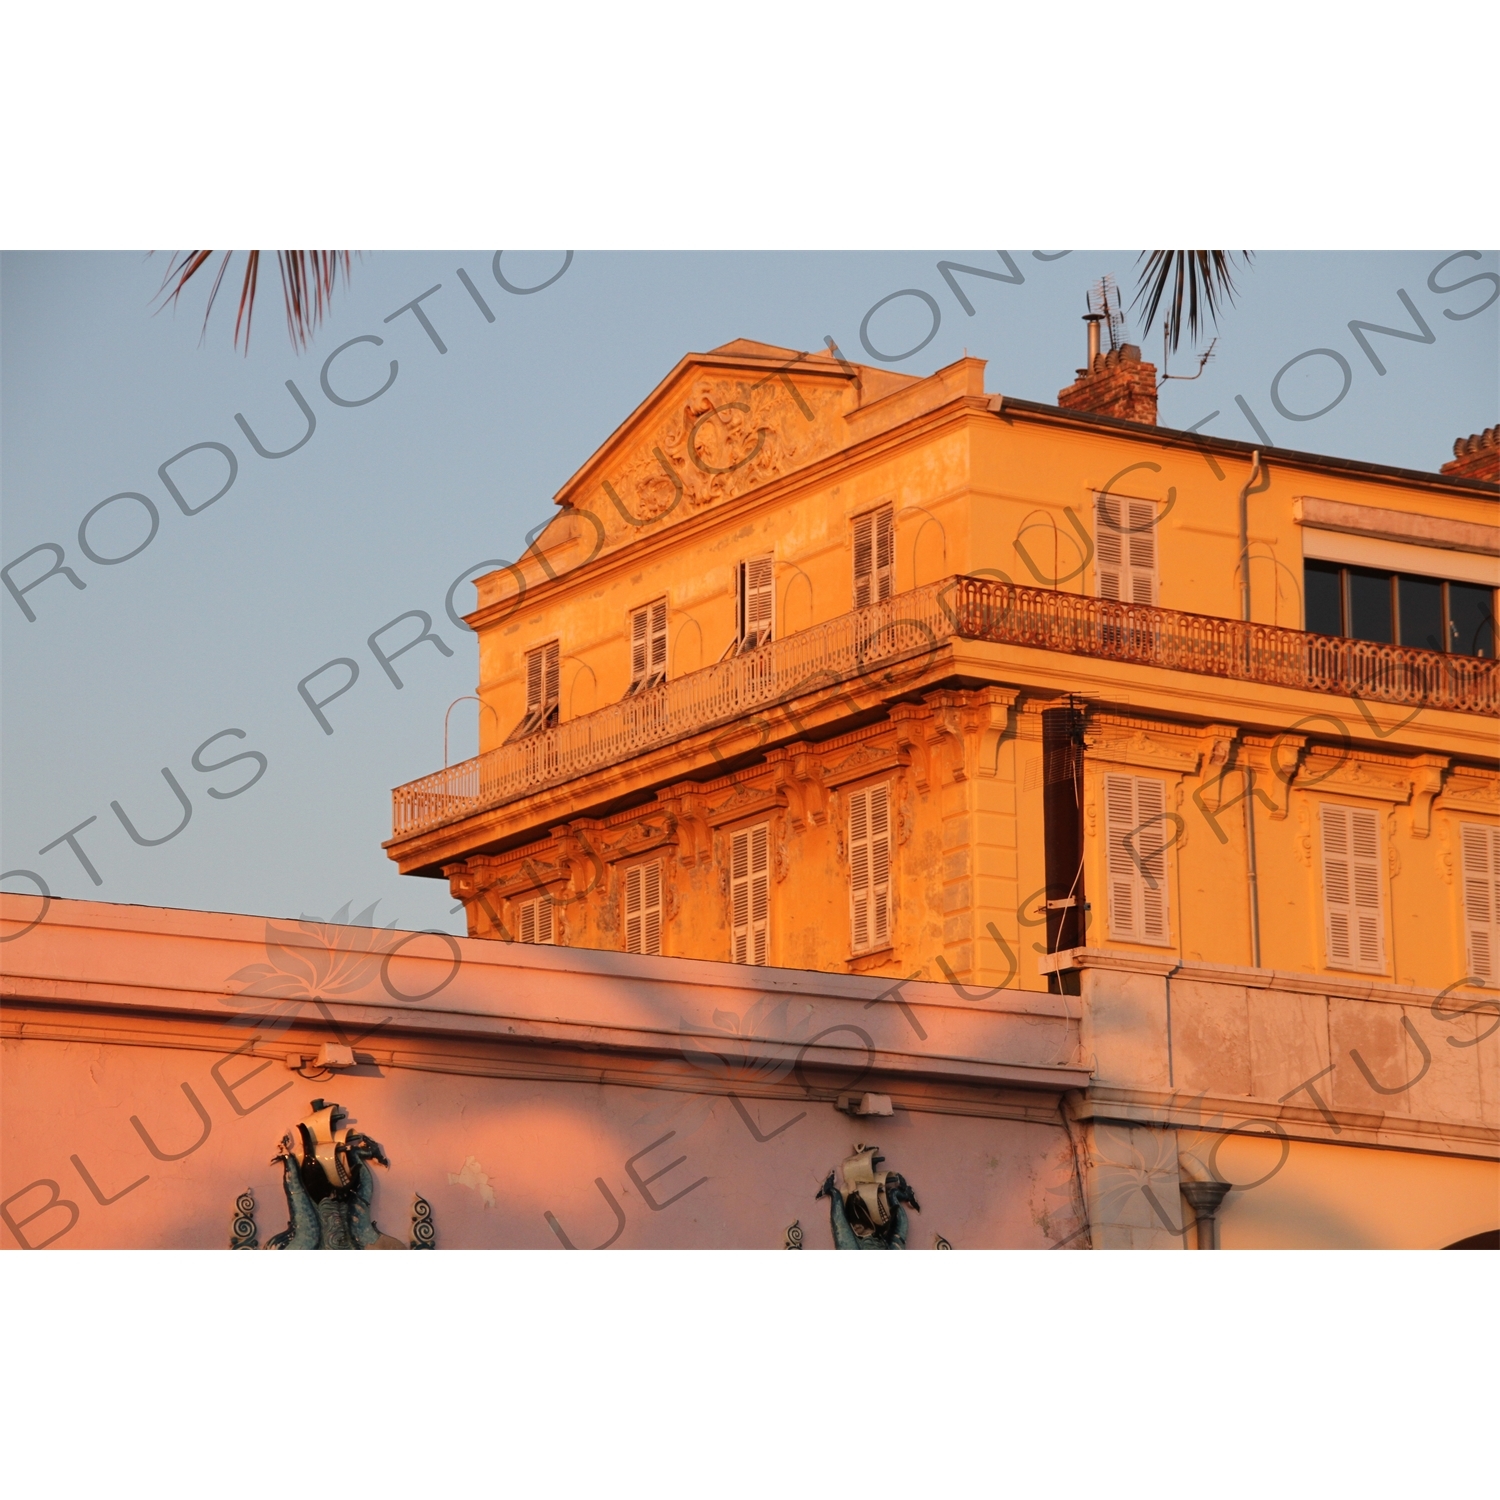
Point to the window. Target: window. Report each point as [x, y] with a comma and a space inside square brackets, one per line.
[1481, 865]
[1367, 604]
[1125, 549]
[543, 664]
[874, 557]
[643, 908]
[750, 893]
[1137, 840]
[1351, 888]
[534, 920]
[870, 867]
[648, 646]
[755, 598]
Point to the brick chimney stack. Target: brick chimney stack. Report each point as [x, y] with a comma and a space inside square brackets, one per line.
[1115, 384]
[1476, 457]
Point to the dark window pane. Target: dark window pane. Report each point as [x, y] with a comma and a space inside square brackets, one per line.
[1471, 619]
[1370, 605]
[1422, 613]
[1322, 584]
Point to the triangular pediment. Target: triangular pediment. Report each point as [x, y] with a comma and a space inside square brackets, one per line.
[721, 424]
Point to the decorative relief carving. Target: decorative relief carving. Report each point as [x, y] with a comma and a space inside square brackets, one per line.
[863, 760]
[243, 1234]
[724, 435]
[1469, 789]
[1142, 749]
[1331, 770]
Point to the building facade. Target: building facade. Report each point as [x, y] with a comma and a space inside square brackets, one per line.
[833, 669]
[905, 816]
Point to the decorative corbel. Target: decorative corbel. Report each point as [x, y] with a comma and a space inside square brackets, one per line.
[582, 867]
[798, 774]
[987, 721]
[1284, 758]
[911, 737]
[1428, 772]
[947, 733]
[689, 829]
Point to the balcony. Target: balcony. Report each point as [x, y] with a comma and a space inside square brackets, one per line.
[894, 641]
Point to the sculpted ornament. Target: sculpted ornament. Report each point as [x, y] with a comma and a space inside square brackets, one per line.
[329, 1184]
[870, 1213]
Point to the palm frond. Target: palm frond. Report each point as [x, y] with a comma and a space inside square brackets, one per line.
[1202, 278]
[307, 279]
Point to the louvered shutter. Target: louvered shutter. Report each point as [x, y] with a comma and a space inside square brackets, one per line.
[1481, 873]
[534, 675]
[659, 640]
[651, 908]
[535, 920]
[874, 557]
[750, 893]
[885, 555]
[552, 674]
[639, 646]
[870, 867]
[648, 644]
[1136, 841]
[643, 908]
[633, 909]
[1352, 887]
[757, 600]
[1125, 549]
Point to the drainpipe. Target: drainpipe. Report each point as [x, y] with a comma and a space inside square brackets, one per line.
[1254, 876]
[1205, 1198]
[1245, 537]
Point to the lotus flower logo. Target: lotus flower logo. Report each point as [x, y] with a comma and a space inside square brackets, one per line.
[315, 960]
[738, 1052]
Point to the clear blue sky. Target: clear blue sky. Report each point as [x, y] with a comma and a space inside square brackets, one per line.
[212, 625]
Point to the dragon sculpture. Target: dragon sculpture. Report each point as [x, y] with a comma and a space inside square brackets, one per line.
[870, 1214]
[327, 1174]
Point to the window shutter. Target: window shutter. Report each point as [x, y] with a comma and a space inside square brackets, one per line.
[651, 909]
[870, 867]
[533, 682]
[659, 640]
[534, 920]
[750, 893]
[648, 645]
[643, 908]
[552, 674]
[1136, 844]
[638, 646]
[1142, 552]
[1351, 887]
[864, 560]
[1125, 549]
[758, 574]
[874, 557]
[885, 554]
[633, 909]
[1481, 870]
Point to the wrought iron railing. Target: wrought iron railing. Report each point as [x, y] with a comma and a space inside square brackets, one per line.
[890, 643]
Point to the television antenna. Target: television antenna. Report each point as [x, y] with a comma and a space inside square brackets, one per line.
[1104, 304]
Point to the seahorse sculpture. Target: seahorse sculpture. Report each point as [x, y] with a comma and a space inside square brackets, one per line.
[303, 1232]
[329, 1185]
[870, 1214]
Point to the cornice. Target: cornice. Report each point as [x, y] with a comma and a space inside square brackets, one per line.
[1222, 1114]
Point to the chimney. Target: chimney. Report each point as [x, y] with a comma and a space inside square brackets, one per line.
[1113, 384]
[1476, 457]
